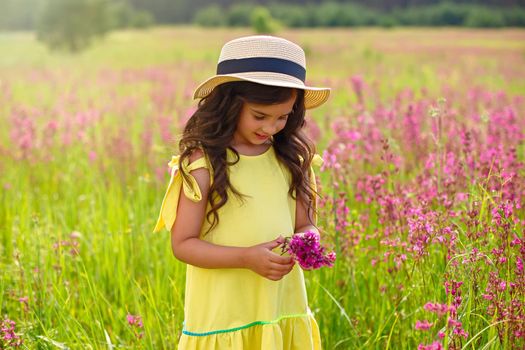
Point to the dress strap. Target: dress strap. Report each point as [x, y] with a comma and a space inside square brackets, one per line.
[188, 184]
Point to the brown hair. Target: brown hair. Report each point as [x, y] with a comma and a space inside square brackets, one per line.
[211, 130]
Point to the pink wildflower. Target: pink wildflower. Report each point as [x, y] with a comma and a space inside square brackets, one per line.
[134, 320]
[434, 346]
[439, 309]
[423, 325]
[357, 84]
[307, 251]
[8, 337]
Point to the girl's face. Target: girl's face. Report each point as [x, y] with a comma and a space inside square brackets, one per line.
[257, 123]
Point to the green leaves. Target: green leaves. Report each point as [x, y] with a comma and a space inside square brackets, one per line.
[72, 25]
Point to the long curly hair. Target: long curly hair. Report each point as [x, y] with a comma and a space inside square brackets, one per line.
[212, 126]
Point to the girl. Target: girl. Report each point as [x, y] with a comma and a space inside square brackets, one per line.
[242, 181]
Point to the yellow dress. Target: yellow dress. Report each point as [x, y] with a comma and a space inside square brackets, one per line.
[237, 308]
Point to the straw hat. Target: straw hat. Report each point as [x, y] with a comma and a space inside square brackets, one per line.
[266, 60]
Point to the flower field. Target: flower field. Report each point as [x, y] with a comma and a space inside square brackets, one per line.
[422, 187]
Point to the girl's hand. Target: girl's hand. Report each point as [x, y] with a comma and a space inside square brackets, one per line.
[263, 261]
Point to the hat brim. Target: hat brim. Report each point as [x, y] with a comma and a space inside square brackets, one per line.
[313, 96]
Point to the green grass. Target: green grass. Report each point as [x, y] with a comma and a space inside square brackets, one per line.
[80, 301]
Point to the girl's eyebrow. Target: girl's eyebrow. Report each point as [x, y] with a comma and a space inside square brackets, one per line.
[267, 115]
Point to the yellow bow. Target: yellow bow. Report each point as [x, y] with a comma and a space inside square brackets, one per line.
[168, 209]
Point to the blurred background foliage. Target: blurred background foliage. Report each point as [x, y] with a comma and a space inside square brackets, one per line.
[25, 14]
[73, 24]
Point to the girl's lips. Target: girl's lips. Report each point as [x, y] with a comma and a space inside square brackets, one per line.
[262, 137]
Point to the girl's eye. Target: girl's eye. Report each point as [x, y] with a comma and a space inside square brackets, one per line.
[284, 117]
[258, 117]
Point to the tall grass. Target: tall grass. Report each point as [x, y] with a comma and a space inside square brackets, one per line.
[84, 143]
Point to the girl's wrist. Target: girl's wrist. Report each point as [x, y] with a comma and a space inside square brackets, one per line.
[244, 257]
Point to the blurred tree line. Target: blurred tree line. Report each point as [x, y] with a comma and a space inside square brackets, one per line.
[26, 14]
[73, 24]
[349, 14]
[185, 11]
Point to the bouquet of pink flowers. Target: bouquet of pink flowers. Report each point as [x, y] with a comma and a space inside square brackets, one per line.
[306, 249]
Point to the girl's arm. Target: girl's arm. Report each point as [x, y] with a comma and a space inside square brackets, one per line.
[189, 248]
[304, 218]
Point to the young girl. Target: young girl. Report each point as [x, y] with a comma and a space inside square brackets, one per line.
[243, 181]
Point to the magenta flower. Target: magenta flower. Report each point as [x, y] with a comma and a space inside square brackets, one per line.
[136, 325]
[134, 320]
[434, 346]
[423, 325]
[306, 249]
[8, 337]
[439, 309]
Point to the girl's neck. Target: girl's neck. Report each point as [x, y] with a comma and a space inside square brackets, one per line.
[250, 149]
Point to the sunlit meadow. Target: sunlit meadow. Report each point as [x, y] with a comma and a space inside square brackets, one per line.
[422, 187]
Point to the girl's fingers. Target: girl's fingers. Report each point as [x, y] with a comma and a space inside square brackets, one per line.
[282, 268]
[283, 260]
[277, 275]
[271, 245]
[275, 243]
[279, 269]
[275, 278]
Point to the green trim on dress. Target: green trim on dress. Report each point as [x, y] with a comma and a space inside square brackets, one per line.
[256, 323]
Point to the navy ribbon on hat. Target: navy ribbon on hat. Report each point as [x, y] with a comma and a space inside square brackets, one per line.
[262, 64]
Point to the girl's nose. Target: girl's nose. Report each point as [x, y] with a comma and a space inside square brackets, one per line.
[269, 129]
